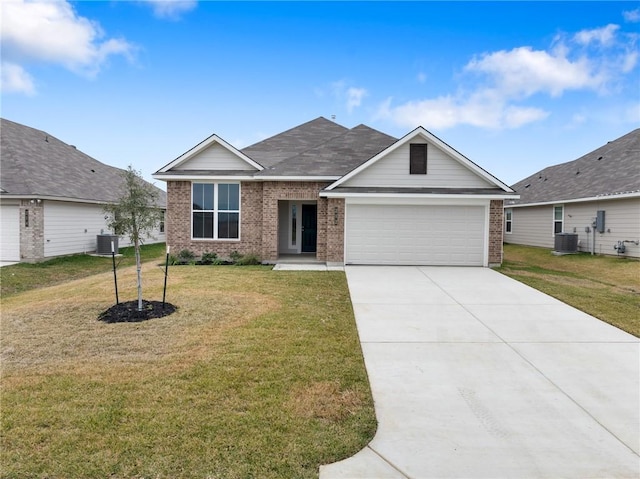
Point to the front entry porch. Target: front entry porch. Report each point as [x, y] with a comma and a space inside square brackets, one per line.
[297, 229]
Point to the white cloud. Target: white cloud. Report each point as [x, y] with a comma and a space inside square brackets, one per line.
[483, 110]
[52, 32]
[14, 79]
[350, 95]
[496, 86]
[605, 35]
[171, 9]
[354, 97]
[632, 16]
[523, 72]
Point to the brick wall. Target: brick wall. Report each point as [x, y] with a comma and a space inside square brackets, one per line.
[178, 222]
[274, 191]
[496, 212]
[258, 219]
[32, 236]
[335, 230]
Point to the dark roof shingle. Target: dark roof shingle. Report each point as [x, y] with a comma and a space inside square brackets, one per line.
[335, 156]
[35, 163]
[609, 170]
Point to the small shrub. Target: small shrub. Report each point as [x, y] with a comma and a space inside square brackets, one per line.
[235, 256]
[209, 258]
[173, 260]
[186, 257]
[247, 260]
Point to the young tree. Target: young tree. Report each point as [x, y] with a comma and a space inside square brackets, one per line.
[135, 215]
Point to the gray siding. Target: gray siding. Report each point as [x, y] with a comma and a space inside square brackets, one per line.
[215, 157]
[534, 225]
[442, 172]
[531, 226]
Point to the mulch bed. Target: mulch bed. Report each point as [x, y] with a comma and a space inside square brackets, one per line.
[128, 312]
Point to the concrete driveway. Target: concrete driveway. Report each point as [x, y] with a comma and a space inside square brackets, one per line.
[475, 375]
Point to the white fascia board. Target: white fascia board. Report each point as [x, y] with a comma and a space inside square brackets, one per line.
[54, 198]
[621, 196]
[203, 177]
[296, 178]
[333, 194]
[420, 131]
[170, 177]
[203, 146]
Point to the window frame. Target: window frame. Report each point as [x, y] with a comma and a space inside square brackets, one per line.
[508, 221]
[557, 221]
[418, 164]
[216, 210]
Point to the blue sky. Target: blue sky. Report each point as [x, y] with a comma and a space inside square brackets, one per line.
[514, 86]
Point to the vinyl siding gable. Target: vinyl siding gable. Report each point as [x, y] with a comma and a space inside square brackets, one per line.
[215, 157]
[443, 171]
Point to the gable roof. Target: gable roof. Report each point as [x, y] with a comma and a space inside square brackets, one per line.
[431, 138]
[37, 164]
[612, 169]
[203, 145]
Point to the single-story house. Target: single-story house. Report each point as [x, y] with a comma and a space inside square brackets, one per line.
[340, 195]
[596, 197]
[52, 196]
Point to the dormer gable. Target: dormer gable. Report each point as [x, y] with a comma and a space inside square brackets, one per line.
[213, 154]
[419, 160]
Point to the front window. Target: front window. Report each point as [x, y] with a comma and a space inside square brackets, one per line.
[508, 220]
[558, 219]
[216, 210]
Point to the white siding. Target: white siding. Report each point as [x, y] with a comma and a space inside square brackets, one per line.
[215, 157]
[534, 225]
[415, 234]
[443, 171]
[73, 227]
[9, 232]
[622, 222]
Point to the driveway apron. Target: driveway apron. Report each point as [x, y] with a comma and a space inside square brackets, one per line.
[475, 375]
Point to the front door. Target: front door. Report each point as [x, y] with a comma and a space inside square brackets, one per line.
[309, 228]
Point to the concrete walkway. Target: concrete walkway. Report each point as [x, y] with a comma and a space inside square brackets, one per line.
[475, 375]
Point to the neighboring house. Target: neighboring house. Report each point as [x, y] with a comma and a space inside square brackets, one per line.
[52, 196]
[342, 196]
[567, 198]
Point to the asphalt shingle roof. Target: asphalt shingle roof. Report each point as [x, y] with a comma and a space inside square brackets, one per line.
[293, 142]
[609, 170]
[334, 156]
[35, 163]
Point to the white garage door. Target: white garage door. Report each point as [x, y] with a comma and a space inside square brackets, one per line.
[415, 235]
[9, 233]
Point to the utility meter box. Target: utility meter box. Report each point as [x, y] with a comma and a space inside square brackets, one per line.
[600, 221]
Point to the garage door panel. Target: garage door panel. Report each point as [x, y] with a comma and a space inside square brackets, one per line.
[9, 233]
[415, 234]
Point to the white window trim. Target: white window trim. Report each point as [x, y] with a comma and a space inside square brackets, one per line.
[510, 221]
[553, 223]
[215, 211]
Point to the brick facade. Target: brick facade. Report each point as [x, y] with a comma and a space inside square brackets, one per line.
[31, 231]
[258, 218]
[259, 221]
[496, 212]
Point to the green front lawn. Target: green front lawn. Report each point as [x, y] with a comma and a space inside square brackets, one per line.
[258, 374]
[606, 287]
